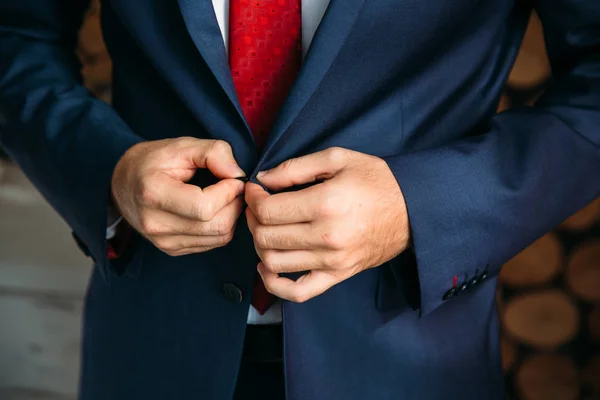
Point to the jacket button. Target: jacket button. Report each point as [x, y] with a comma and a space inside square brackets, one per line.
[483, 276]
[232, 293]
[463, 287]
[474, 282]
[449, 293]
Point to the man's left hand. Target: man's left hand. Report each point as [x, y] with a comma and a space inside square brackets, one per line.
[354, 220]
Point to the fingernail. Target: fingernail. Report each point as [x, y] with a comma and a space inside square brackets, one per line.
[241, 188]
[238, 171]
[261, 174]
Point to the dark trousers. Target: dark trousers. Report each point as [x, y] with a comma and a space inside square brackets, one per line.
[261, 372]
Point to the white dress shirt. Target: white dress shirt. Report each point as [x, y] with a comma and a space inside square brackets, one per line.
[312, 13]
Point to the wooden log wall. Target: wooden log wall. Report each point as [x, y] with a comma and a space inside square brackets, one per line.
[549, 294]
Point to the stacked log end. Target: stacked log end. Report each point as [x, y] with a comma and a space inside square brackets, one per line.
[584, 218]
[549, 294]
[544, 319]
[537, 264]
[97, 65]
[548, 376]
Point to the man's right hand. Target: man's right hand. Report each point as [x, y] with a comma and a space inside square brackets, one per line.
[148, 188]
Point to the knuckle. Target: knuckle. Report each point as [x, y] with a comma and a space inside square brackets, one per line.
[334, 260]
[288, 164]
[163, 244]
[169, 246]
[147, 193]
[206, 210]
[184, 141]
[269, 260]
[260, 237]
[269, 286]
[262, 213]
[149, 226]
[299, 296]
[173, 253]
[329, 206]
[169, 252]
[220, 146]
[226, 238]
[229, 236]
[222, 225]
[334, 240]
[336, 155]
[230, 223]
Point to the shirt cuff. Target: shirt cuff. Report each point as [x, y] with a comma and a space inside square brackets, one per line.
[113, 220]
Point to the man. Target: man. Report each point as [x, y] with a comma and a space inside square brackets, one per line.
[383, 193]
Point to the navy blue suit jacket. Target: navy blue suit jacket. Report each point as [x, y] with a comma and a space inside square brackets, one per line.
[414, 82]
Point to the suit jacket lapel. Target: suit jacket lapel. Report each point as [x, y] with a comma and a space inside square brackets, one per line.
[326, 44]
[201, 22]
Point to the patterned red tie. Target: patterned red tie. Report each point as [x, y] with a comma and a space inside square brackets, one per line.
[265, 51]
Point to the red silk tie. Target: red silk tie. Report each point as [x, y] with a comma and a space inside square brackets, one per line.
[265, 52]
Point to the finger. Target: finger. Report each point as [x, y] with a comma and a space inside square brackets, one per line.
[254, 193]
[219, 195]
[176, 243]
[224, 221]
[297, 171]
[280, 261]
[162, 223]
[304, 288]
[192, 250]
[216, 155]
[302, 236]
[190, 201]
[284, 208]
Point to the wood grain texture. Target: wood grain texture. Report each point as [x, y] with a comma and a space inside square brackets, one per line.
[537, 264]
[583, 271]
[548, 377]
[543, 319]
[584, 218]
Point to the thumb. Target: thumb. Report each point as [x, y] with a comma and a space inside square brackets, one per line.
[218, 158]
[310, 168]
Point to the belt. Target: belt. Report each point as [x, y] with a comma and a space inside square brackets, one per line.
[263, 343]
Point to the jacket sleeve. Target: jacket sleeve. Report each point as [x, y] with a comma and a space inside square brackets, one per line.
[66, 141]
[475, 203]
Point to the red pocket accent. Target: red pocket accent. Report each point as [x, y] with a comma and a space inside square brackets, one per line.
[117, 245]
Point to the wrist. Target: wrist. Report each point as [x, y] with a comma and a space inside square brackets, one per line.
[405, 239]
[116, 178]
